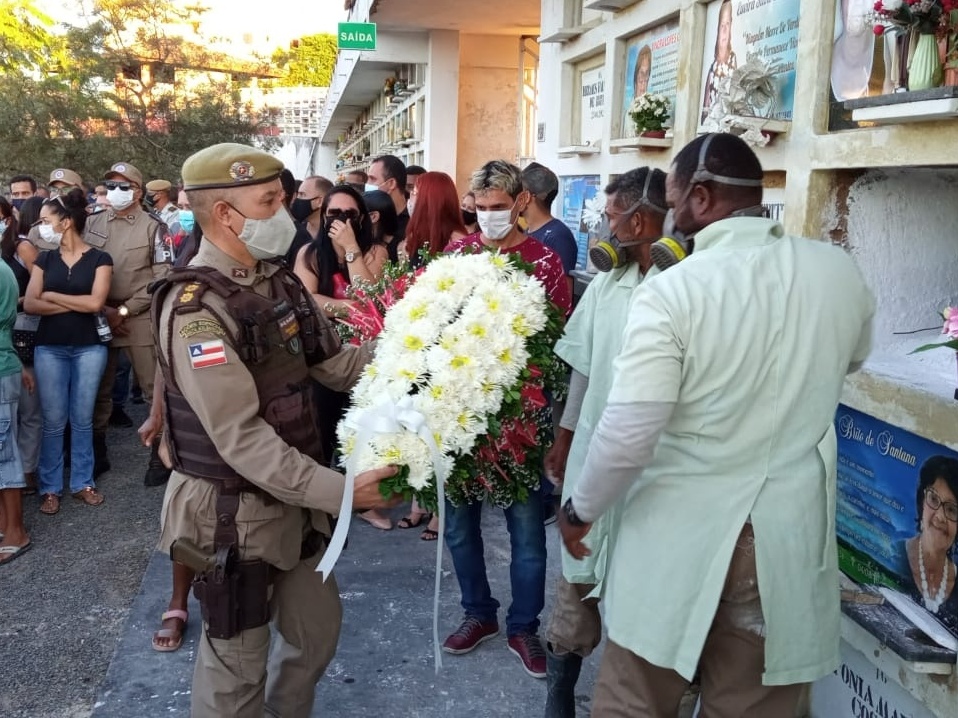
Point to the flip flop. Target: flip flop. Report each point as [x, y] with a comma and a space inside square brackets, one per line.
[429, 535]
[174, 633]
[406, 523]
[13, 553]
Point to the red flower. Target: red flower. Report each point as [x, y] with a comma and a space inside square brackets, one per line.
[879, 29]
[532, 396]
[878, 6]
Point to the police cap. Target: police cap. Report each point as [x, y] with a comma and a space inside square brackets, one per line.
[126, 171]
[229, 165]
[158, 185]
[65, 176]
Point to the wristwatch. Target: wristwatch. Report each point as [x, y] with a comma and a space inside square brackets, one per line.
[123, 311]
[571, 516]
[351, 256]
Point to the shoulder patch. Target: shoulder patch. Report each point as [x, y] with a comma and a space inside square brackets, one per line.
[201, 326]
[207, 354]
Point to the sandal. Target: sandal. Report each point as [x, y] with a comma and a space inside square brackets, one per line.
[409, 523]
[50, 505]
[89, 496]
[429, 535]
[176, 634]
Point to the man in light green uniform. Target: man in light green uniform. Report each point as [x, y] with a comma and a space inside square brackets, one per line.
[731, 369]
[635, 208]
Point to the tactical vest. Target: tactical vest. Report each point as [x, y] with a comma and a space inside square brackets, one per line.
[278, 338]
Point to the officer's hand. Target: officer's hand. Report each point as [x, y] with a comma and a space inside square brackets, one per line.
[150, 429]
[366, 490]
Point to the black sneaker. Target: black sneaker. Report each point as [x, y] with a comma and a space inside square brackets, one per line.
[120, 418]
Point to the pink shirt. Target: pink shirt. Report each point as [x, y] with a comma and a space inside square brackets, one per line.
[548, 266]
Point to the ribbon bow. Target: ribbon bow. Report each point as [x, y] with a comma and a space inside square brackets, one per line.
[391, 417]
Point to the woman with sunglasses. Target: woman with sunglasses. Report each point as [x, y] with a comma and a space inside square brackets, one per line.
[931, 572]
[344, 252]
[68, 288]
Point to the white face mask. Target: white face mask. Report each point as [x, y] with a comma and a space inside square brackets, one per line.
[411, 205]
[372, 187]
[3, 226]
[495, 225]
[268, 238]
[49, 235]
[119, 198]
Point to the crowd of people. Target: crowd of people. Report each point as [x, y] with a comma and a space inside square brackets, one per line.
[696, 433]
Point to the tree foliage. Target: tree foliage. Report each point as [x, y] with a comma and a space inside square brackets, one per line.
[125, 87]
[25, 38]
[309, 62]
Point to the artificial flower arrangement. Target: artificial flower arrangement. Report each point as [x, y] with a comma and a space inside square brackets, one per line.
[459, 382]
[649, 112]
[950, 329]
[926, 16]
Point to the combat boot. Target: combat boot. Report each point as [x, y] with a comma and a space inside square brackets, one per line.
[562, 672]
[156, 473]
[101, 463]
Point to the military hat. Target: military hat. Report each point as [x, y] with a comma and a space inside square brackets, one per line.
[229, 165]
[66, 177]
[158, 185]
[126, 171]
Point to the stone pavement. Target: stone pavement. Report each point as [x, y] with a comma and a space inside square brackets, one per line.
[384, 664]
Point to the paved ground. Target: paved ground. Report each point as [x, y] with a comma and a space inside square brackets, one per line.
[77, 612]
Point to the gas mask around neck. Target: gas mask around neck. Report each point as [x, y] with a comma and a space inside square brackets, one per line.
[675, 245]
[609, 252]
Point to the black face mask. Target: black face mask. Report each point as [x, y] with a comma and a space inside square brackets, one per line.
[301, 209]
[469, 218]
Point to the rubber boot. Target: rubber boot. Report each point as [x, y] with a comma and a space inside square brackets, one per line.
[562, 672]
[156, 473]
[101, 463]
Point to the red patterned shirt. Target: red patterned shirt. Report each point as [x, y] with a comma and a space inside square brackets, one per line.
[548, 265]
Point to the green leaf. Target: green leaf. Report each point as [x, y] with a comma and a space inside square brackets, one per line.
[951, 344]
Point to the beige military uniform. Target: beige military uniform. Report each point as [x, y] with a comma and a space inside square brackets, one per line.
[231, 675]
[140, 247]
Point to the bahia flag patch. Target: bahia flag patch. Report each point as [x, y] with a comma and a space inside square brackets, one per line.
[206, 354]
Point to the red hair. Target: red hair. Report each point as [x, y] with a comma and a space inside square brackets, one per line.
[436, 216]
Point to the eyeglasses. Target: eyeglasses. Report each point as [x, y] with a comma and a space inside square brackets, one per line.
[343, 214]
[934, 502]
[125, 186]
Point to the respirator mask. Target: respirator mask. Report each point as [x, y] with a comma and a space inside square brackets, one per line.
[609, 253]
[675, 245]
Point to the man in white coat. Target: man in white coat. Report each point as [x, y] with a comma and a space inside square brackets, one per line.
[716, 439]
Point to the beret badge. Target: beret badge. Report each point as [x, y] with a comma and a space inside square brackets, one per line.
[241, 171]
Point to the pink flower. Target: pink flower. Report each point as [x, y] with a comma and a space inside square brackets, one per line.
[878, 7]
[951, 322]
[879, 29]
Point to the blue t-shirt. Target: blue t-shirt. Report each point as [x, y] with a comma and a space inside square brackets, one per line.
[559, 238]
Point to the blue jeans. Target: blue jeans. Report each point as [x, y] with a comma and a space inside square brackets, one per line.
[68, 378]
[11, 470]
[121, 385]
[527, 571]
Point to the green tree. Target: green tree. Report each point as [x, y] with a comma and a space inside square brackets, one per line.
[25, 38]
[309, 61]
[126, 86]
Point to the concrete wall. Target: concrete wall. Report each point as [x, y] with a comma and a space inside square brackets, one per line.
[488, 102]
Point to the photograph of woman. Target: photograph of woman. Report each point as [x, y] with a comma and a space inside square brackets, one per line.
[724, 61]
[928, 559]
[643, 70]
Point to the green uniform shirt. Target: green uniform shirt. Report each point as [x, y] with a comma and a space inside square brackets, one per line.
[9, 294]
[750, 338]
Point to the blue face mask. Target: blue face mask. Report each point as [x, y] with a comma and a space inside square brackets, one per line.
[186, 220]
[18, 202]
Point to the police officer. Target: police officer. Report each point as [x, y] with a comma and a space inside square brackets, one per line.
[140, 245]
[238, 339]
[158, 198]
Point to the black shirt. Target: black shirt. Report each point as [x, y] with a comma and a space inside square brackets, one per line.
[300, 240]
[70, 328]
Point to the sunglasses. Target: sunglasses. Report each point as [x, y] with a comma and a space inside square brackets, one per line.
[343, 214]
[125, 186]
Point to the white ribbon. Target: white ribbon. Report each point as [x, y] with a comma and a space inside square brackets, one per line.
[391, 417]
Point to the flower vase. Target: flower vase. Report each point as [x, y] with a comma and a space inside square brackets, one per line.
[924, 70]
[656, 134]
[951, 76]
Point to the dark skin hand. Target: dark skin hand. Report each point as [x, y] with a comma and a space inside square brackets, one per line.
[572, 537]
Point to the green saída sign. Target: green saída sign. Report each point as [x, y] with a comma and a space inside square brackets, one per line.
[356, 36]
